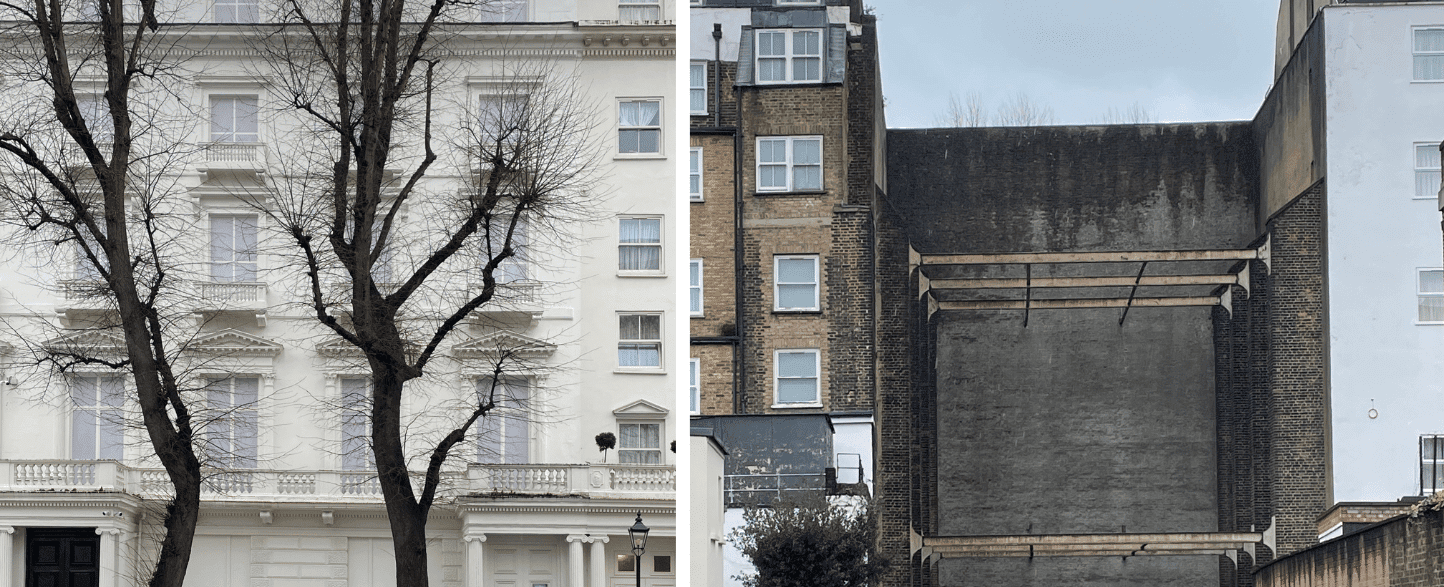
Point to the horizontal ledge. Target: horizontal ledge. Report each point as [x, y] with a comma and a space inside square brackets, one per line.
[1063, 282]
[1101, 257]
[1092, 552]
[1079, 303]
[1155, 540]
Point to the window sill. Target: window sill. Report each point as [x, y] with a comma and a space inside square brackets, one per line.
[697, 316]
[701, 113]
[1417, 323]
[795, 406]
[803, 312]
[639, 157]
[695, 200]
[641, 274]
[762, 194]
[640, 371]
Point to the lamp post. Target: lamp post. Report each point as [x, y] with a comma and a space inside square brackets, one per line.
[638, 534]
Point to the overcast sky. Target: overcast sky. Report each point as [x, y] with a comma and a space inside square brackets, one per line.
[1182, 60]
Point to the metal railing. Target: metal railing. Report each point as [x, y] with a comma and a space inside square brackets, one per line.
[768, 489]
[639, 481]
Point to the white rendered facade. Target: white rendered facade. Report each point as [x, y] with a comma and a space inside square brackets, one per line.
[1381, 129]
[301, 511]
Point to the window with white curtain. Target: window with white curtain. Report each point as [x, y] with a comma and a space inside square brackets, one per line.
[789, 56]
[795, 372]
[795, 283]
[634, 10]
[233, 432]
[789, 164]
[503, 436]
[96, 112]
[233, 248]
[235, 119]
[1426, 171]
[694, 174]
[639, 126]
[514, 268]
[639, 443]
[1429, 54]
[97, 420]
[1431, 296]
[238, 11]
[356, 425]
[639, 245]
[694, 385]
[694, 286]
[1431, 464]
[698, 84]
[639, 341]
[503, 11]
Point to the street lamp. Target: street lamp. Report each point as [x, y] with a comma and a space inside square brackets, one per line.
[638, 534]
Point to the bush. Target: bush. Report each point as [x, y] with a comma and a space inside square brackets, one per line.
[811, 543]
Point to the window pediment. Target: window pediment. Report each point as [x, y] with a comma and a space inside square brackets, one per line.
[496, 343]
[640, 409]
[236, 343]
[89, 343]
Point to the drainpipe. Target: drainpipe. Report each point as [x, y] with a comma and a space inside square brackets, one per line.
[739, 395]
[717, 74]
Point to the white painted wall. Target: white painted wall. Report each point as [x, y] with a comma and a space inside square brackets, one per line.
[1378, 235]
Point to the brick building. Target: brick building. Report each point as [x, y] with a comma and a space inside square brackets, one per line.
[1111, 355]
[785, 162]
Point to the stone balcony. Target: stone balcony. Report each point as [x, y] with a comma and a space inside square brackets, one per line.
[300, 486]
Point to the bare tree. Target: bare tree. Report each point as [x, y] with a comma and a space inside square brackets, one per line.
[394, 261]
[1135, 114]
[1020, 110]
[964, 113]
[85, 151]
[972, 111]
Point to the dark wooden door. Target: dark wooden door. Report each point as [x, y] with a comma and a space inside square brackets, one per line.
[62, 557]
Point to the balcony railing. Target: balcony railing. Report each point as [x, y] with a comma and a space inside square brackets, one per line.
[239, 294]
[596, 481]
[520, 298]
[235, 155]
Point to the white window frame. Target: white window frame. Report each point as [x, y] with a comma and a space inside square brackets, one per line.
[693, 88]
[511, 421]
[1423, 295]
[210, 251]
[623, 5]
[694, 385]
[1428, 460]
[694, 174]
[660, 127]
[1414, 46]
[695, 299]
[777, 283]
[657, 343]
[239, 6]
[659, 450]
[789, 56]
[357, 446]
[505, 11]
[96, 112]
[661, 268]
[211, 100]
[790, 164]
[232, 460]
[777, 379]
[104, 416]
[1424, 173]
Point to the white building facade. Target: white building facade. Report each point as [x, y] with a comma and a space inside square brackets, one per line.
[589, 313]
[1375, 144]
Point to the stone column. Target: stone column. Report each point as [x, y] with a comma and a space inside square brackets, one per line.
[599, 561]
[109, 556]
[7, 539]
[576, 570]
[475, 554]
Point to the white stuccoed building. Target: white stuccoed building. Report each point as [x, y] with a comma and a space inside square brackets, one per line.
[528, 500]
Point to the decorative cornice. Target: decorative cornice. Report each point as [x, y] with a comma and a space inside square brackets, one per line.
[640, 408]
[89, 342]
